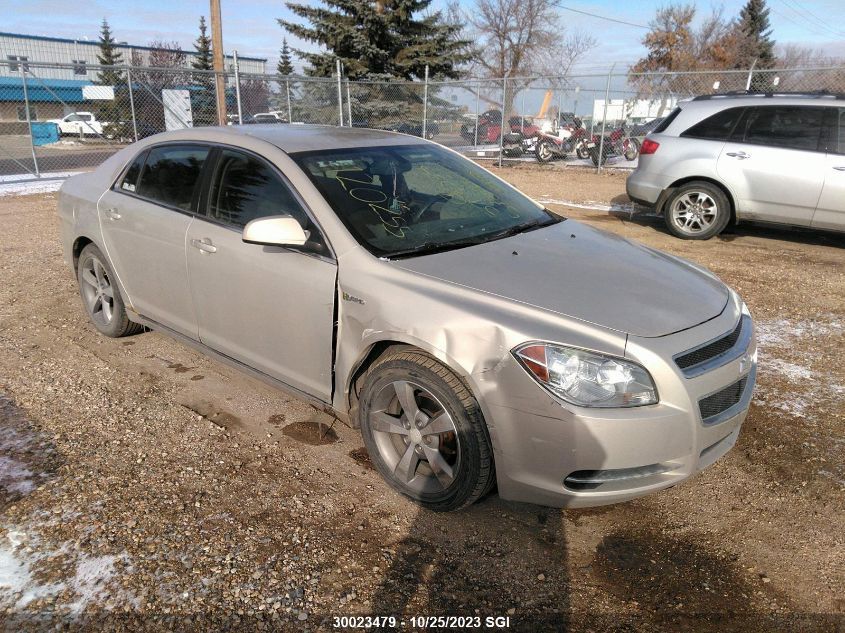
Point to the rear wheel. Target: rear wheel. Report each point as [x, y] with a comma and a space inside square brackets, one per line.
[607, 150]
[100, 295]
[631, 148]
[425, 432]
[697, 211]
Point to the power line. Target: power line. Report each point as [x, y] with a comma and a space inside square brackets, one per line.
[819, 28]
[804, 12]
[602, 17]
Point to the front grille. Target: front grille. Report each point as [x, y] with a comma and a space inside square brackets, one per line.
[723, 400]
[711, 350]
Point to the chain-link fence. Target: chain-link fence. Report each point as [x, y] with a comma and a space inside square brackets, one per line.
[56, 126]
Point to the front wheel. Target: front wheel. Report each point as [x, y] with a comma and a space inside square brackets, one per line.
[424, 431]
[544, 152]
[697, 211]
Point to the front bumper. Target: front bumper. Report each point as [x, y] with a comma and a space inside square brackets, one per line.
[555, 454]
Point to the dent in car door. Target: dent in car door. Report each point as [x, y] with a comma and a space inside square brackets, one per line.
[772, 164]
[830, 212]
[269, 307]
[144, 221]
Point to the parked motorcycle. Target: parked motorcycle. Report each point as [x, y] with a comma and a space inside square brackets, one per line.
[556, 141]
[616, 142]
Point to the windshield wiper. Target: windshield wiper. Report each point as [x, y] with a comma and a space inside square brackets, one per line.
[429, 248]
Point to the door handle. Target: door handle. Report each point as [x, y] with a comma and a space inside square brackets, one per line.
[839, 168]
[204, 245]
[112, 214]
[739, 155]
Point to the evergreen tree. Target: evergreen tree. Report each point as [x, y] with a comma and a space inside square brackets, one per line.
[202, 60]
[285, 65]
[756, 31]
[205, 108]
[108, 56]
[384, 38]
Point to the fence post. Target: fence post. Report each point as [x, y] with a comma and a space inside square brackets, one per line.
[750, 73]
[29, 121]
[348, 104]
[425, 100]
[339, 95]
[604, 118]
[522, 112]
[287, 90]
[132, 104]
[238, 87]
[502, 122]
[477, 103]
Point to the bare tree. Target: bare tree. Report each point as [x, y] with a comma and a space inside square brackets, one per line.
[522, 38]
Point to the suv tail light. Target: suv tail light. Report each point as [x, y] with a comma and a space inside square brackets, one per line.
[649, 146]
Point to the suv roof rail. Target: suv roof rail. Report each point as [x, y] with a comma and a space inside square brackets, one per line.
[752, 93]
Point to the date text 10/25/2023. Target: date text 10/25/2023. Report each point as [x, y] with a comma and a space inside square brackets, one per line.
[421, 622]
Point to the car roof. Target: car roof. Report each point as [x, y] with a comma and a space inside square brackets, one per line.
[292, 138]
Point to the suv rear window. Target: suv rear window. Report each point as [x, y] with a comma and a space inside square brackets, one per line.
[789, 127]
[666, 122]
[717, 126]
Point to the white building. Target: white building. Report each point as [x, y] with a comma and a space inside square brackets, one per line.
[633, 110]
[16, 49]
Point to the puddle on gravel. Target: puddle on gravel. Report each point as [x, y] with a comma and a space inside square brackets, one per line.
[311, 432]
[179, 368]
[362, 458]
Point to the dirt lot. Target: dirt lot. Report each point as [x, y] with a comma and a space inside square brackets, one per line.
[143, 486]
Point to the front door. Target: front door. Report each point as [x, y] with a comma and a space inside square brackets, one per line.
[773, 163]
[830, 212]
[271, 308]
[144, 220]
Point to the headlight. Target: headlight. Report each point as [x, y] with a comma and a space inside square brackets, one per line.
[587, 379]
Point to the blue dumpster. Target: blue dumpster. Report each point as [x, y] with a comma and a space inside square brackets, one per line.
[44, 133]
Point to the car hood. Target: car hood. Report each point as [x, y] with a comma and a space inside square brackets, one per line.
[586, 274]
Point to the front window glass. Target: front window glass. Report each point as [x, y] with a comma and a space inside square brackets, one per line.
[416, 199]
[246, 189]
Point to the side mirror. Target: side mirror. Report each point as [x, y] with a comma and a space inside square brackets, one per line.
[275, 230]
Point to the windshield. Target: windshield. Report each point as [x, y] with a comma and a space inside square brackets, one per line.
[417, 199]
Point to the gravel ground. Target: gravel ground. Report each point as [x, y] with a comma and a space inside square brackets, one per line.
[146, 487]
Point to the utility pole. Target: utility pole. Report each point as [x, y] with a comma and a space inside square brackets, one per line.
[217, 56]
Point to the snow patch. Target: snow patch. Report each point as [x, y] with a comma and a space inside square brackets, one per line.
[28, 184]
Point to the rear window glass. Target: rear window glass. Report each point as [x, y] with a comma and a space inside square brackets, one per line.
[130, 178]
[717, 126]
[789, 127]
[171, 173]
[667, 121]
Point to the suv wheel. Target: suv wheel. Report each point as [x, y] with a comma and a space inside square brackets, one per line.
[697, 211]
[424, 431]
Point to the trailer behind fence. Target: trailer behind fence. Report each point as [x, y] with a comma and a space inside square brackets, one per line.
[50, 126]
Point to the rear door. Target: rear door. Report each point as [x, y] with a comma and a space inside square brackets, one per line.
[830, 212]
[774, 163]
[144, 220]
[269, 307]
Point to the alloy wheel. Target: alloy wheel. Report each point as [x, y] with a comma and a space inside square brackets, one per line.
[694, 212]
[97, 291]
[416, 437]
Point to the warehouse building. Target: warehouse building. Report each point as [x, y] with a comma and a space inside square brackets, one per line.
[55, 91]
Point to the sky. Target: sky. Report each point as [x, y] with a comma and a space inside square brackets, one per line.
[250, 27]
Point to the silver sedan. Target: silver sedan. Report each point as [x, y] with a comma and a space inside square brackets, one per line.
[474, 337]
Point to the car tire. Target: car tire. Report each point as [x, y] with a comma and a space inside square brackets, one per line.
[100, 295]
[697, 210]
[544, 152]
[443, 459]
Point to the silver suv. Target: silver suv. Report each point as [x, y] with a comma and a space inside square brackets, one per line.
[720, 159]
